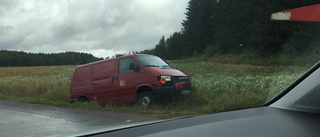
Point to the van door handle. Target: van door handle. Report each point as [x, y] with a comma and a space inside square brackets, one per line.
[114, 77]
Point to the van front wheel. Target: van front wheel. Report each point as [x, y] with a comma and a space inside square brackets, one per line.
[145, 99]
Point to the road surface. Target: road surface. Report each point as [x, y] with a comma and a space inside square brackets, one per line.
[24, 119]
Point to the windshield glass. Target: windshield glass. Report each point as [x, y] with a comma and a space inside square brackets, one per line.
[90, 60]
[150, 61]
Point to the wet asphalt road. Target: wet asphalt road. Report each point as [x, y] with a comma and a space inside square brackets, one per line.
[24, 119]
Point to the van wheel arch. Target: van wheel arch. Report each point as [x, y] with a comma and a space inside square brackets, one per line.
[141, 89]
[83, 99]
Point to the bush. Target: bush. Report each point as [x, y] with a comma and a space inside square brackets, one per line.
[288, 51]
[249, 55]
[211, 51]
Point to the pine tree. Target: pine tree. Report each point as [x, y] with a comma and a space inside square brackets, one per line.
[160, 49]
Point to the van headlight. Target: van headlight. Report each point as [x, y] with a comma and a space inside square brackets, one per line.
[164, 79]
[167, 78]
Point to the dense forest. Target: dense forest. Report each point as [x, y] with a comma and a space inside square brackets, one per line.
[19, 58]
[220, 27]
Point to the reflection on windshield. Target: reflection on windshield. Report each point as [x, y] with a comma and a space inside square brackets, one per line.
[236, 57]
[151, 61]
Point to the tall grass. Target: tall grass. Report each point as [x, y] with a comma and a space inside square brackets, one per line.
[218, 87]
[45, 83]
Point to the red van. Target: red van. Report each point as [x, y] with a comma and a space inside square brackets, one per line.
[131, 78]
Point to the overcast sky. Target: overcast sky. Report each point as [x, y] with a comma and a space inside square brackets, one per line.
[100, 27]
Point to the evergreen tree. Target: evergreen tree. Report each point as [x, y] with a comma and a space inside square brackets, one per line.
[19, 58]
[160, 49]
[175, 46]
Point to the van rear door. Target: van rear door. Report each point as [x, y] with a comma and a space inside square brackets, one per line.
[80, 82]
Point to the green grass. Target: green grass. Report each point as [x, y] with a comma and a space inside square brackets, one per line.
[218, 87]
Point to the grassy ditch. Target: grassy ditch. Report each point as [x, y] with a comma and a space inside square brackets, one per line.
[219, 87]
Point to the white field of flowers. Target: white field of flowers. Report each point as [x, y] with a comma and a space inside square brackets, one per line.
[213, 84]
[224, 87]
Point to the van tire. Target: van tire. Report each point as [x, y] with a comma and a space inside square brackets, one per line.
[145, 99]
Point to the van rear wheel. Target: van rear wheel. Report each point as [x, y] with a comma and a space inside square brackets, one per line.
[145, 99]
[83, 99]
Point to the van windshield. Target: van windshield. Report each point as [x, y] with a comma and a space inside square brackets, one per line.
[151, 61]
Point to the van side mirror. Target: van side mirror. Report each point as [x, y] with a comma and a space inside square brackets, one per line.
[133, 66]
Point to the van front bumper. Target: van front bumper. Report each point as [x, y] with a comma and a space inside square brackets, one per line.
[183, 88]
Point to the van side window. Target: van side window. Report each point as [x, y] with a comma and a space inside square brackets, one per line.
[124, 65]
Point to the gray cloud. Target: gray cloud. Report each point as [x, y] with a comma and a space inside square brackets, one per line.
[100, 27]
